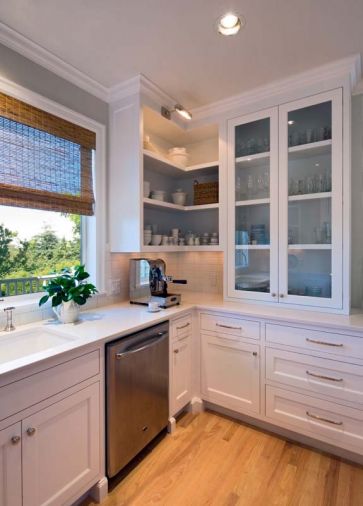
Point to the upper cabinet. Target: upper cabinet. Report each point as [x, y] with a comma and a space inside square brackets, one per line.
[164, 183]
[285, 203]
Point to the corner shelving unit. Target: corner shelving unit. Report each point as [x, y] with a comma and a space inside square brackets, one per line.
[164, 174]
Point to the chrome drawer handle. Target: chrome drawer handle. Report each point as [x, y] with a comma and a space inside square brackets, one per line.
[336, 345]
[15, 440]
[228, 326]
[323, 377]
[183, 326]
[322, 419]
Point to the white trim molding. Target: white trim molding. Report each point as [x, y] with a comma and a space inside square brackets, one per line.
[38, 54]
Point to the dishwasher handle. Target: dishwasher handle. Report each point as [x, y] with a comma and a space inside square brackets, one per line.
[150, 342]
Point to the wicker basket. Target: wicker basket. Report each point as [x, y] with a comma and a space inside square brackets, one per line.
[205, 193]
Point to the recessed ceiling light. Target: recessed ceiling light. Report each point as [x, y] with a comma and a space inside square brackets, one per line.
[230, 23]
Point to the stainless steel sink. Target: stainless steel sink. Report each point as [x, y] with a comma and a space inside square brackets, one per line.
[22, 343]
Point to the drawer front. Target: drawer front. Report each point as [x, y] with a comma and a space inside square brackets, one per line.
[182, 327]
[35, 388]
[236, 327]
[318, 375]
[315, 340]
[330, 422]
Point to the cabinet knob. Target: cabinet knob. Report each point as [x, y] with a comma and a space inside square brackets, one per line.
[31, 431]
[254, 353]
[15, 440]
[281, 295]
[273, 295]
[176, 351]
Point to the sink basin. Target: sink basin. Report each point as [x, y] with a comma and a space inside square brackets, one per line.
[22, 343]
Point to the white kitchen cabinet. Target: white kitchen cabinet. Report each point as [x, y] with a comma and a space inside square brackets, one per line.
[140, 140]
[285, 216]
[180, 364]
[230, 373]
[60, 448]
[10, 466]
[181, 374]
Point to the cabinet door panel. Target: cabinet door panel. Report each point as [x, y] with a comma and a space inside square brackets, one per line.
[310, 217]
[230, 373]
[61, 448]
[253, 206]
[10, 466]
[180, 374]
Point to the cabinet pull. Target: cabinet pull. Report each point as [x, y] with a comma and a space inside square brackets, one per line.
[15, 440]
[323, 377]
[322, 419]
[273, 295]
[183, 326]
[254, 353]
[228, 326]
[281, 295]
[31, 431]
[324, 343]
[176, 351]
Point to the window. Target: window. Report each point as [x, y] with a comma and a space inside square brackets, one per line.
[46, 186]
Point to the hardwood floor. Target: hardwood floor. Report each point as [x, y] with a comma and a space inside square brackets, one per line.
[213, 460]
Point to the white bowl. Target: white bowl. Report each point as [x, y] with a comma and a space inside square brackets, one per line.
[179, 198]
[156, 239]
[158, 195]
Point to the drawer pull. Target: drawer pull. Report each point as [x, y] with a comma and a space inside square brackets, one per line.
[31, 431]
[176, 351]
[314, 341]
[15, 440]
[183, 326]
[228, 326]
[323, 377]
[322, 419]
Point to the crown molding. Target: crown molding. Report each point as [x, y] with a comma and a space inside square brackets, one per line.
[350, 66]
[36, 53]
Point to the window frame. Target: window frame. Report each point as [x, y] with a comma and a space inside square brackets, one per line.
[93, 228]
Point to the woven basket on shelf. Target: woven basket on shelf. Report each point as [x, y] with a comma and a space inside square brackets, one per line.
[205, 193]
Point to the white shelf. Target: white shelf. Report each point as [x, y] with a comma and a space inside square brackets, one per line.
[169, 205]
[252, 246]
[160, 163]
[311, 149]
[253, 202]
[309, 246]
[310, 196]
[172, 249]
[252, 160]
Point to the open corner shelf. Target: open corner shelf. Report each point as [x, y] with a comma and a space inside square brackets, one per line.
[175, 207]
[159, 162]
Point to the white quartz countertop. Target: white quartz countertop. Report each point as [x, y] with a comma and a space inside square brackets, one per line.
[104, 324]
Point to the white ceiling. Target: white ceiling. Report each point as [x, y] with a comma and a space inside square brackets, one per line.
[174, 42]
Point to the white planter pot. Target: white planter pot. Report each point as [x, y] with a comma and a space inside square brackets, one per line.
[67, 312]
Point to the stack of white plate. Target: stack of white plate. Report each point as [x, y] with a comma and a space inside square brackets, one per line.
[158, 195]
[147, 237]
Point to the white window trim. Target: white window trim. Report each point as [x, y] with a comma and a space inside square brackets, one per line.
[95, 252]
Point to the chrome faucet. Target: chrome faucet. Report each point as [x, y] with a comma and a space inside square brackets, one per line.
[9, 319]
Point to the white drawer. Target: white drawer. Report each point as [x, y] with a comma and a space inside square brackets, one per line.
[182, 327]
[237, 327]
[315, 340]
[318, 375]
[29, 391]
[330, 422]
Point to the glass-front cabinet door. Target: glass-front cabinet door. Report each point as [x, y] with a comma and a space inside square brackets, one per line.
[310, 201]
[253, 206]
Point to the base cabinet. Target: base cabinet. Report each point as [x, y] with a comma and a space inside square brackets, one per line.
[47, 458]
[180, 364]
[230, 373]
[61, 448]
[10, 466]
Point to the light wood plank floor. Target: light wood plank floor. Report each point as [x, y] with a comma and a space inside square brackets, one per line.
[213, 460]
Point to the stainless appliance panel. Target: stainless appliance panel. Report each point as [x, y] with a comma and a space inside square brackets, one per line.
[137, 375]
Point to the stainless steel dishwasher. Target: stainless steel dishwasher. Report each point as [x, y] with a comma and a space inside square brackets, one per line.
[137, 385]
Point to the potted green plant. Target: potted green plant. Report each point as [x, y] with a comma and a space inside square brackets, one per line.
[68, 292]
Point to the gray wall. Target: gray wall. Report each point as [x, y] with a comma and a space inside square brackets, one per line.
[357, 201]
[24, 72]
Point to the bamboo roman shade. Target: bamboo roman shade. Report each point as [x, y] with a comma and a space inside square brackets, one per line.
[45, 161]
